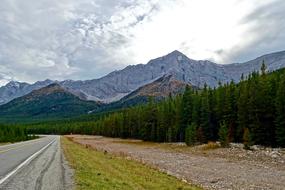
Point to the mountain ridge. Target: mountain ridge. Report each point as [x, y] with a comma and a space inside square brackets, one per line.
[118, 84]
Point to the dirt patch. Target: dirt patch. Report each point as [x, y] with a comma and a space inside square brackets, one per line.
[218, 168]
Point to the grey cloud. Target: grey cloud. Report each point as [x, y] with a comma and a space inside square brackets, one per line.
[5, 78]
[266, 33]
[67, 38]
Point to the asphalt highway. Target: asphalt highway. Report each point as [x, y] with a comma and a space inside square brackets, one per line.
[36, 164]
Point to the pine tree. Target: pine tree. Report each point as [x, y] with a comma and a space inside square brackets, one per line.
[186, 111]
[196, 112]
[191, 134]
[205, 117]
[254, 102]
[267, 108]
[230, 110]
[280, 113]
[220, 102]
[263, 68]
[261, 109]
[213, 117]
[223, 135]
[242, 110]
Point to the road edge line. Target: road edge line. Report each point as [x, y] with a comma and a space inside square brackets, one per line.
[24, 163]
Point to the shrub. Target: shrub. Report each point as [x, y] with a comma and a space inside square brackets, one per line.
[246, 139]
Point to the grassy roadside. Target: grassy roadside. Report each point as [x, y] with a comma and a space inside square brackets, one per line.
[1, 144]
[96, 170]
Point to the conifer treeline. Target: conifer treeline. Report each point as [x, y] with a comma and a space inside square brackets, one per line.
[252, 112]
[13, 134]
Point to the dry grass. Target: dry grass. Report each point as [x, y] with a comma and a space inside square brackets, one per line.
[211, 146]
[176, 147]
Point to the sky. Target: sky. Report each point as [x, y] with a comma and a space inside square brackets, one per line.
[87, 39]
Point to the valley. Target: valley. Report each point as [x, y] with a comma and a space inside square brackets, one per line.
[183, 136]
[142, 95]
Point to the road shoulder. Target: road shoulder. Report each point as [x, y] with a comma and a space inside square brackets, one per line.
[212, 169]
[100, 170]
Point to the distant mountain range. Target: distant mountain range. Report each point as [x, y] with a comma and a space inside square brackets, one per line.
[52, 101]
[143, 79]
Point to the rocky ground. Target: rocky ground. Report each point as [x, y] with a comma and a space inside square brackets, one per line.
[204, 165]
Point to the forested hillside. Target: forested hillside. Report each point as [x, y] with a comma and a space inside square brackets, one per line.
[252, 112]
[50, 102]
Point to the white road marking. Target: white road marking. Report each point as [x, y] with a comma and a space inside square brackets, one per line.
[24, 163]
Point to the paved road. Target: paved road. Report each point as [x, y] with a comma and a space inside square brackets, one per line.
[36, 164]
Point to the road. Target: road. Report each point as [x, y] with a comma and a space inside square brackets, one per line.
[36, 164]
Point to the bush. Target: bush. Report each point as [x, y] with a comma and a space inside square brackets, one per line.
[246, 139]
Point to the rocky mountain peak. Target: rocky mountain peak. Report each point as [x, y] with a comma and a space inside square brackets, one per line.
[52, 88]
[175, 53]
[13, 84]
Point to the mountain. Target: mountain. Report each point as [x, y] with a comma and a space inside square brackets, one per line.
[17, 89]
[119, 84]
[159, 89]
[52, 101]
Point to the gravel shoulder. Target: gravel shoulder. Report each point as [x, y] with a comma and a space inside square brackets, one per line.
[104, 171]
[231, 168]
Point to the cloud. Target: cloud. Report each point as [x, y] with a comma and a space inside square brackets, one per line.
[71, 39]
[223, 31]
[267, 26]
[5, 78]
[264, 34]
[67, 39]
